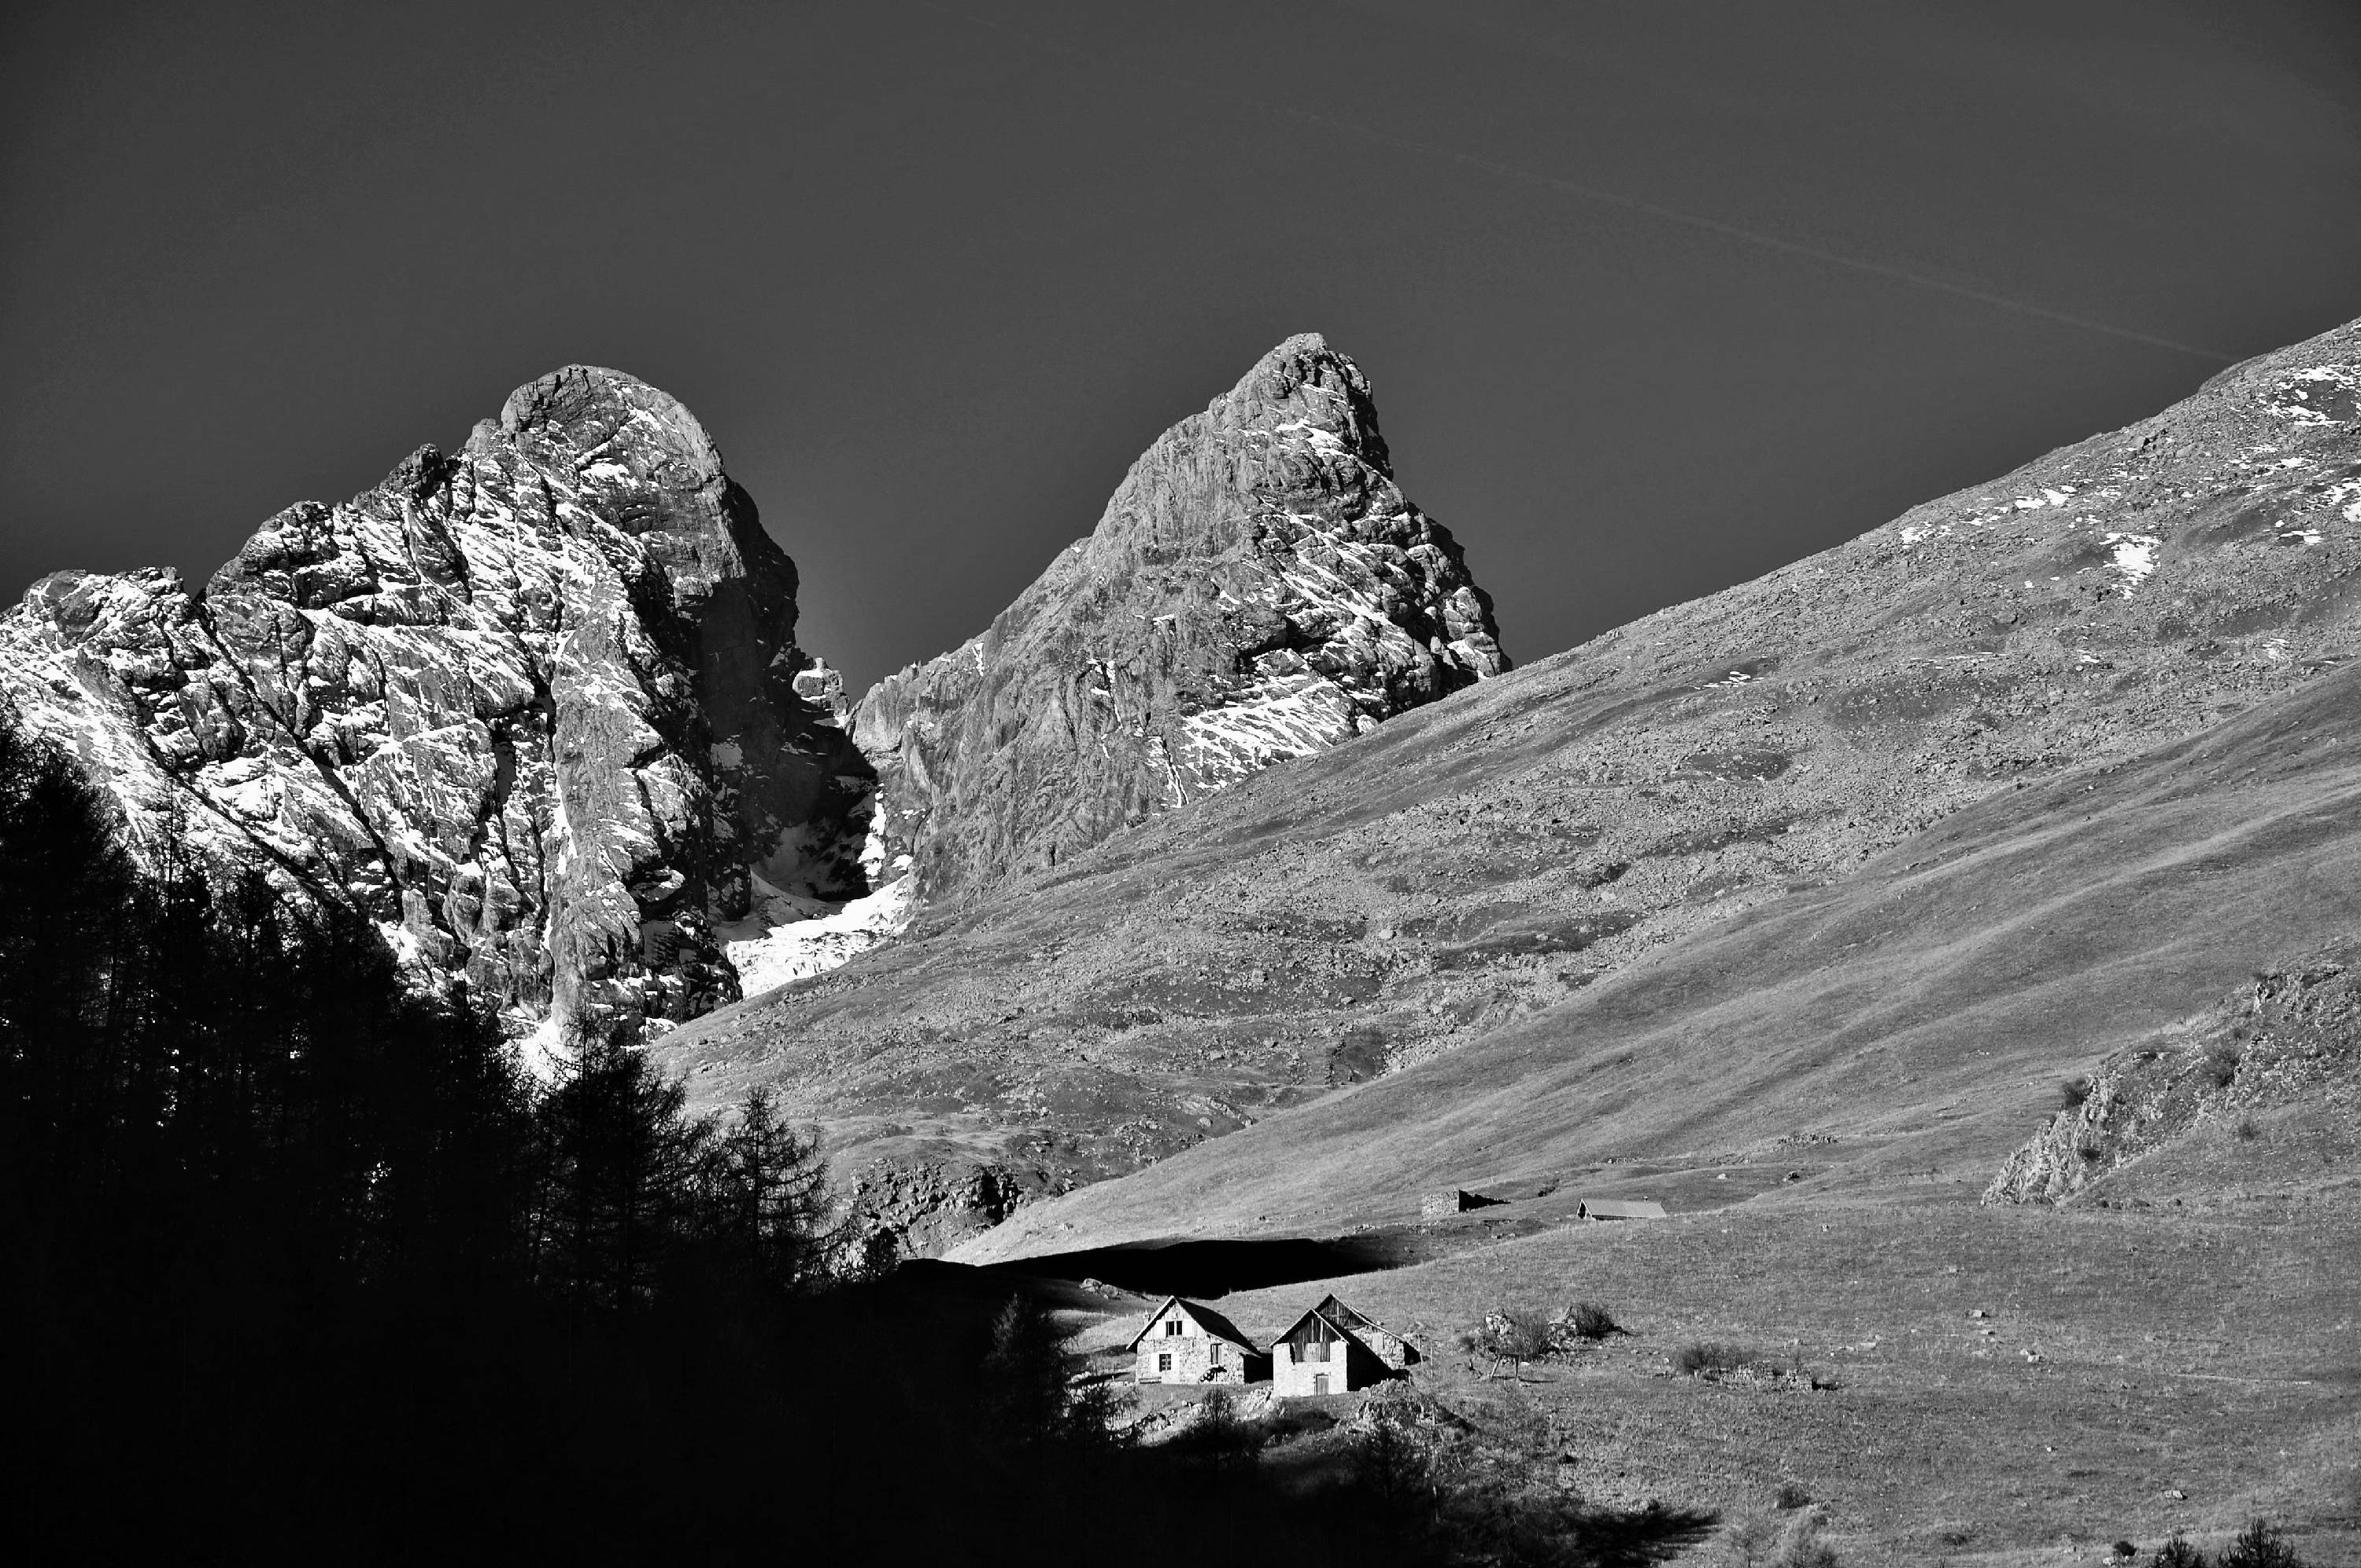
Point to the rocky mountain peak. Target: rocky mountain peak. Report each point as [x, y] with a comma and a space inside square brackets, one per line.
[1303, 379]
[535, 707]
[1257, 589]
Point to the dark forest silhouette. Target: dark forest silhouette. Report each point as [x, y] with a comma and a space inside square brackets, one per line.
[296, 1264]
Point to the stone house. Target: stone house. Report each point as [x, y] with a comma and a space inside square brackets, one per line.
[1183, 1341]
[1435, 1205]
[1332, 1349]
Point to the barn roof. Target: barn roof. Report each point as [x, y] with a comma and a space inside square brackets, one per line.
[1308, 1312]
[1622, 1209]
[1213, 1322]
[1337, 1316]
[1337, 1313]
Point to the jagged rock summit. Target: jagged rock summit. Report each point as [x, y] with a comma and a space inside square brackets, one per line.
[1258, 589]
[535, 707]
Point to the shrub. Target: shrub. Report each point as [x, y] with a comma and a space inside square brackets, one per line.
[1590, 1321]
[1800, 1545]
[1218, 1438]
[1705, 1358]
[2247, 1130]
[2259, 1546]
[1702, 1356]
[1776, 1541]
[2073, 1092]
[1509, 1338]
[1790, 1496]
[1390, 1458]
[1287, 1422]
[2221, 1063]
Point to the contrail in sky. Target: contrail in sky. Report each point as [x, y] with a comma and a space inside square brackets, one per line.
[1603, 197]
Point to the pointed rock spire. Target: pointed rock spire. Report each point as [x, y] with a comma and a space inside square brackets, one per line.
[1257, 589]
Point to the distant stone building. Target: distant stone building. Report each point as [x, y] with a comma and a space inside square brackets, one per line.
[1434, 1205]
[1618, 1209]
[1186, 1342]
[1332, 1349]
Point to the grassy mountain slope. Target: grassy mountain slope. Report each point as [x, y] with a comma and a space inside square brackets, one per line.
[1911, 1021]
[1460, 878]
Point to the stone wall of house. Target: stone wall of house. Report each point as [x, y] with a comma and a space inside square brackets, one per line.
[1350, 1365]
[1388, 1346]
[1192, 1354]
[1292, 1371]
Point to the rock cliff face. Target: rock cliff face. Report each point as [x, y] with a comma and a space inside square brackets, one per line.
[1258, 589]
[536, 707]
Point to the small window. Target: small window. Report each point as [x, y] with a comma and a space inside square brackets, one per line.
[1163, 1364]
[1172, 1326]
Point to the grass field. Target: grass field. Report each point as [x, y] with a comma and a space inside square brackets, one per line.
[1917, 1017]
[2129, 1354]
[1819, 1091]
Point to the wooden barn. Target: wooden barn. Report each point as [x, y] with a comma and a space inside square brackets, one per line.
[1332, 1349]
[1185, 1343]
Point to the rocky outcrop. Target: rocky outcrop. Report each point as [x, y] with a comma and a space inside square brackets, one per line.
[2290, 1037]
[903, 1207]
[1258, 589]
[536, 707]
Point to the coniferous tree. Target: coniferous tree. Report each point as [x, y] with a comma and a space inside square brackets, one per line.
[622, 1155]
[764, 1196]
[66, 899]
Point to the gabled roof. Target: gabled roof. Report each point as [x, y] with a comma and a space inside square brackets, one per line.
[1213, 1322]
[1344, 1330]
[1341, 1315]
[1346, 1321]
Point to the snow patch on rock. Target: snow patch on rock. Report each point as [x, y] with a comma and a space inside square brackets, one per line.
[2135, 556]
[2319, 395]
[1289, 714]
[791, 938]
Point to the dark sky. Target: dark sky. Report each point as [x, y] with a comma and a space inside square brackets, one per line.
[1655, 295]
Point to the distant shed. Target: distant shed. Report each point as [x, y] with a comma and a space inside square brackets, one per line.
[1434, 1205]
[1618, 1209]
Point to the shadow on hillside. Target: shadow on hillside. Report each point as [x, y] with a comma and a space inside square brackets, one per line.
[1654, 1533]
[1206, 1268]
